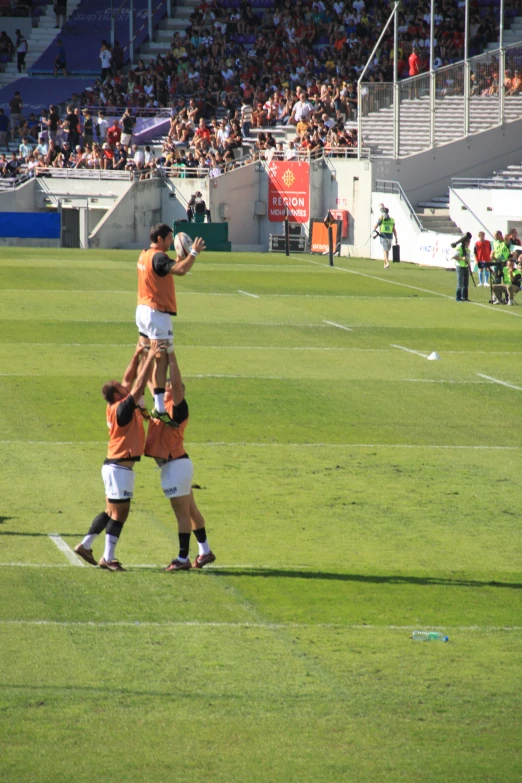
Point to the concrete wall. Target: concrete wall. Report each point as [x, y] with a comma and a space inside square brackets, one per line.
[20, 200]
[176, 194]
[239, 190]
[429, 173]
[487, 210]
[347, 184]
[128, 223]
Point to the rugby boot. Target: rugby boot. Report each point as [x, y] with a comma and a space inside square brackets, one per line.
[111, 565]
[85, 554]
[179, 565]
[164, 417]
[203, 560]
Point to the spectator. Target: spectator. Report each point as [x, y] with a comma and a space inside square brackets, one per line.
[60, 63]
[25, 149]
[88, 127]
[101, 126]
[12, 168]
[114, 134]
[4, 128]
[105, 60]
[118, 56]
[21, 50]
[120, 157]
[246, 117]
[15, 106]
[60, 11]
[72, 125]
[108, 156]
[52, 122]
[128, 122]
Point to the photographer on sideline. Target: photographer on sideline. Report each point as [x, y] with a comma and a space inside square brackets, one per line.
[385, 228]
[499, 259]
[462, 257]
[197, 209]
[512, 277]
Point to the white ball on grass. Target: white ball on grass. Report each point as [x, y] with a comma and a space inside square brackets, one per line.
[182, 244]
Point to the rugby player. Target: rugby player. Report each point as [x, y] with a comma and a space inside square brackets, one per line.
[165, 444]
[126, 446]
[157, 302]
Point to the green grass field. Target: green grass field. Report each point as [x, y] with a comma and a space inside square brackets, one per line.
[353, 491]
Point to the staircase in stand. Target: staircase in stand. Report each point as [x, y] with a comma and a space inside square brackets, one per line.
[41, 37]
[434, 215]
[377, 126]
[167, 28]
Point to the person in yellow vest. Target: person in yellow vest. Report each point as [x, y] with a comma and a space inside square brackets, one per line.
[499, 258]
[462, 258]
[126, 447]
[166, 445]
[385, 226]
[512, 278]
[157, 302]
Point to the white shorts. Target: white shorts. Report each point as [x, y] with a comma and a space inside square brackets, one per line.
[176, 478]
[153, 324]
[386, 243]
[118, 481]
[126, 139]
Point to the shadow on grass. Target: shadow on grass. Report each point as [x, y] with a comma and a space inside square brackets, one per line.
[419, 581]
[42, 535]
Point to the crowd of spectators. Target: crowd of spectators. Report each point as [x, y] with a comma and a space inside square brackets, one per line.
[247, 68]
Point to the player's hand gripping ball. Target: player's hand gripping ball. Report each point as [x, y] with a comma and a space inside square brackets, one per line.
[182, 244]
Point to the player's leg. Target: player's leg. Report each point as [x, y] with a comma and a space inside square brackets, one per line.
[119, 489]
[205, 554]
[84, 548]
[176, 482]
[154, 325]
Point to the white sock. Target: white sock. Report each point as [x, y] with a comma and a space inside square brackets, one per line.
[182, 559]
[141, 403]
[110, 546]
[204, 548]
[159, 403]
[89, 540]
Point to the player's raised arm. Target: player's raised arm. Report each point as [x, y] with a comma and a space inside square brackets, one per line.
[184, 265]
[132, 370]
[144, 371]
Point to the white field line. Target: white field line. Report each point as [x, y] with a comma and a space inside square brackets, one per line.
[65, 548]
[308, 445]
[409, 350]
[35, 565]
[204, 293]
[223, 347]
[268, 626]
[502, 383]
[406, 285]
[254, 296]
[339, 326]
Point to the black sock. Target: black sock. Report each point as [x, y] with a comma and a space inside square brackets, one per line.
[159, 391]
[114, 528]
[184, 544]
[99, 524]
[201, 535]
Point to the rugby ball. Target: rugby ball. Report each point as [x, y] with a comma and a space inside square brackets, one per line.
[182, 244]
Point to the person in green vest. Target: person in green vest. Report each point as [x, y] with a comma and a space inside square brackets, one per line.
[385, 227]
[462, 259]
[512, 279]
[498, 262]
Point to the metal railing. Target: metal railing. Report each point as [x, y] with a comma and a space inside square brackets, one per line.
[451, 103]
[488, 183]
[468, 208]
[395, 188]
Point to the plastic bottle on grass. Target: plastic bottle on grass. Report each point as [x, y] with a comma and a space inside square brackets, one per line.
[429, 636]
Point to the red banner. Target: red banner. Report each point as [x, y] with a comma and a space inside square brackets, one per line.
[289, 186]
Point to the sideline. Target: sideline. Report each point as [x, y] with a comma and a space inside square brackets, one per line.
[406, 285]
[66, 549]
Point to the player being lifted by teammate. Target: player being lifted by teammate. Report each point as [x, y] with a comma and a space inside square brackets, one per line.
[126, 447]
[166, 445]
[157, 302]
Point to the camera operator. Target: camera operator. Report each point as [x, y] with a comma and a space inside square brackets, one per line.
[498, 261]
[512, 277]
[462, 257]
[197, 209]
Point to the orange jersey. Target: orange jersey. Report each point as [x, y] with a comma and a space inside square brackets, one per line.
[126, 442]
[153, 290]
[164, 442]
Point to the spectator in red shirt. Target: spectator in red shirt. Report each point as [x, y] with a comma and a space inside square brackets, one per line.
[482, 253]
[202, 135]
[114, 134]
[413, 62]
